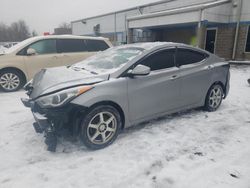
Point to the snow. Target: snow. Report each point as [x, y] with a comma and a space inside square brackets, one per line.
[191, 149]
[2, 49]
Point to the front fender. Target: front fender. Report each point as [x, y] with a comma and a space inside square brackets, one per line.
[114, 91]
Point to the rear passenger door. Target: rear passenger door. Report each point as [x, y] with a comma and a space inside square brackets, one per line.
[72, 50]
[194, 76]
[75, 50]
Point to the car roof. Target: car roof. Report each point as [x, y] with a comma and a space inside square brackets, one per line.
[152, 45]
[68, 37]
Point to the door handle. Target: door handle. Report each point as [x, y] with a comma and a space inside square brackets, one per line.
[210, 67]
[174, 77]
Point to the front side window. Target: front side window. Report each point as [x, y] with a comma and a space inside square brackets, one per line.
[96, 45]
[187, 57]
[248, 40]
[71, 45]
[160, 60]
[44, 46]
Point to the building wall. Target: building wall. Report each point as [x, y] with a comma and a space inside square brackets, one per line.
[240, 53]
[107, 22]
[116, 27]
[225, 41]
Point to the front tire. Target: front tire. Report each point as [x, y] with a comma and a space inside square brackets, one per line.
[100, 127]
[214, 98]
[11, 80]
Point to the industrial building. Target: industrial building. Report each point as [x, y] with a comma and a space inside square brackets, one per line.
[219, 26]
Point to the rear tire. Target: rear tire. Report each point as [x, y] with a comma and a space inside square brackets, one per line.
[214, 98]
[11, 80]
[100, 127]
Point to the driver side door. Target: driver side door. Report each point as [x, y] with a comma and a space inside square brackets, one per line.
[158, 92]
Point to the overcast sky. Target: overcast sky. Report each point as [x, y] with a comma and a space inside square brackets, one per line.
[45, 15]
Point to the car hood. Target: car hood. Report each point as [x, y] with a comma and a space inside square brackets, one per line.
[56, 79]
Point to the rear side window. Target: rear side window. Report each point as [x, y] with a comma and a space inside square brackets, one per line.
[71, 45]
[160, 60]
[44, 46]
[187, 56]
[96, 45]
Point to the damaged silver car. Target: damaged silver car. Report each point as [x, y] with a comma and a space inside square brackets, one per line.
[97, 98]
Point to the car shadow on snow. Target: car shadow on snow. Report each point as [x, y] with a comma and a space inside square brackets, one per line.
[67, 144]
[186, 114]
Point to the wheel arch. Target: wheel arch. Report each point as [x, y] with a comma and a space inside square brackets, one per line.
[113, 104]
[15, 69]
[221, 84]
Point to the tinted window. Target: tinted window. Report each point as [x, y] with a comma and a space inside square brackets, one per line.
[186, 57]
[71, 45]
[96, 45]
[44, 46]
[160, 60]
[248, 41]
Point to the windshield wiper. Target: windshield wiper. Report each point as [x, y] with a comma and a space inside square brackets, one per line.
[92, 72]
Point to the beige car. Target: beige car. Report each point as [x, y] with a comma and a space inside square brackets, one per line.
[20, 63]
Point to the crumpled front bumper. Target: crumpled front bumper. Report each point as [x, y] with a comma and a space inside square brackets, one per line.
[53, 122]
[42, 125]
[42, 122]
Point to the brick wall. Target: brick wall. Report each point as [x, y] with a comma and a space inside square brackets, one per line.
[225, 42]
[240, 52]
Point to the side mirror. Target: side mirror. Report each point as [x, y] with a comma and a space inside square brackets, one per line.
[139, 70]
[31, 52]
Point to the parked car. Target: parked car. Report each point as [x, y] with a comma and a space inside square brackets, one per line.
[20, 63]
[123, 86]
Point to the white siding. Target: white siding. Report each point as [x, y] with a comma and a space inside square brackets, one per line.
[187, 17]
[221, 14]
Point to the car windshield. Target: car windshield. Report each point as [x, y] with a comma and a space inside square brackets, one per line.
[110, 60]
[19, 45]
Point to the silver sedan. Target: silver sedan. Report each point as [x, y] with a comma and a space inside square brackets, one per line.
[96, 98]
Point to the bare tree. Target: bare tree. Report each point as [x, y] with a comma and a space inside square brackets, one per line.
[34, 33]
[4, 36]
[63, 28]
[65, 25]
[17, 31]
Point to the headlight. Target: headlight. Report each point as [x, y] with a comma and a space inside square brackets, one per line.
[62, 97]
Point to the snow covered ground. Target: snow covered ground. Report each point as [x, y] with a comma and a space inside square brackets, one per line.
[194, 149]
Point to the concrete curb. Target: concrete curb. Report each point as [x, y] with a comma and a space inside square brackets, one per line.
[239, 62]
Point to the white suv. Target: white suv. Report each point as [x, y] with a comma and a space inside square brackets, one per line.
[20, 63]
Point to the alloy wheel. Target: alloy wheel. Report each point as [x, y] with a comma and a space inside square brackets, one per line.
[9, 81]
[215, 97]
[102, 128]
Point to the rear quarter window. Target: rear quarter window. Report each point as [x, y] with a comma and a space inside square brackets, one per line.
[96, 45]
[188, 56]
[71, 45]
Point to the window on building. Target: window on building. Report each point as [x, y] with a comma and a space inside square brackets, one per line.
[160, 60]
[44, 46]
[248, 40]
[71, 45]
[186, 57]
